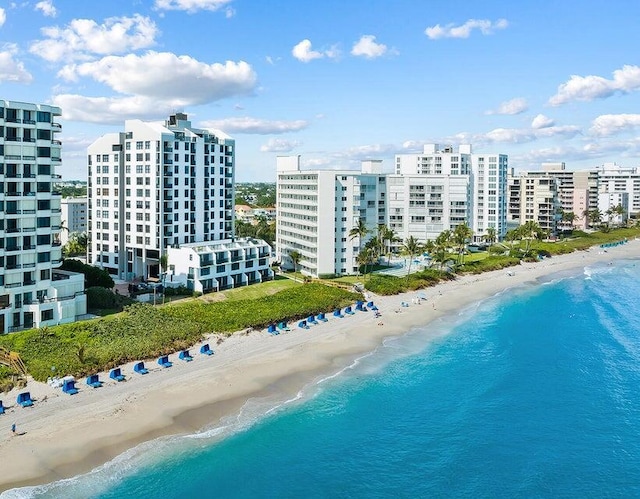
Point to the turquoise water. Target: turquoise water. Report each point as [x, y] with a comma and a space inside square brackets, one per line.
[534, 393]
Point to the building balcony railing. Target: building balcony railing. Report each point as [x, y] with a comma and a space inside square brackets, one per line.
[13, 266]
[12, 248]
[12, 230]
[28, 283]
[56, 125]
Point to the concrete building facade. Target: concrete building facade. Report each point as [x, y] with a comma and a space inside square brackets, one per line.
[534, 198]
[318, 208]
[157, 186]
[33, 292]
[73, 216]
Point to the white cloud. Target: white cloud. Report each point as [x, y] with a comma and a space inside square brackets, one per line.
[112, 110]
[511, 107]
[3, 16]
[280, 145]
[610, 124]
[192, 6]
[47, 8]
[303, 52]
[229, 12]
[181, 80]
[485, 27]
[256, 126]
[542, 121]
[82, 38]
[10, 69]
[522, 135]
[588, 88]
[367, 47]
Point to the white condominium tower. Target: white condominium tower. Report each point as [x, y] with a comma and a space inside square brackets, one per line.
[33, 293]
[443, 188]
[318, 208]
[157, 185]
[166, 185]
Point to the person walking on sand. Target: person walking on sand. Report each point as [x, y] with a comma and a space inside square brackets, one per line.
[13, 428]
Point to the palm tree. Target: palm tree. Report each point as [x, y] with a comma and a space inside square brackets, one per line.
[411, 247]
[359, 231]
[491, 236]
[164, 265]
[512, 235]
[461, 234]
[529, 231]
[594, 216]
[295, 256]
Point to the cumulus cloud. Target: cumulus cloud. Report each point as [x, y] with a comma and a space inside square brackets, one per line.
[542, 121]
[181, 80]
[523, 135]
[610, 124]
[280, 145]
[83, 38]
[11, 69]
[47, 8]
[485, 27]
[192, 6]
[303, 52]
[511, 107]
[3, 16]
[591, 87]
[112, 110]
[256, 126]
[368, 47]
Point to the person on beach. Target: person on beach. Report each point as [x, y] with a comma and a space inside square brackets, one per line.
[13, 428]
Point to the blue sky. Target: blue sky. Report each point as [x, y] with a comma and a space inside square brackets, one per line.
[337, 81]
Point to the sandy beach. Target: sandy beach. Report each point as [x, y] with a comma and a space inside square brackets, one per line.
[62, 436]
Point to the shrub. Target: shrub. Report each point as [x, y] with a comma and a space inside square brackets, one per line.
[93, 276]
[101, 298]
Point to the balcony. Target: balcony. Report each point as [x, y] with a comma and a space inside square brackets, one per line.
[13, 266]
[28, 283]
[12, 230]
[10, 249]
[13, 193]
[57, 126]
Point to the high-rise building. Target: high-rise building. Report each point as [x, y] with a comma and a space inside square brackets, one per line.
[33, 292]
[534, 198]
[163, 185]
[614, 179]
[465, 187]
[577, 191]
[317, 209]
[73, 216]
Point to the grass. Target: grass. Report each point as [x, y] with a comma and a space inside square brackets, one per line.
[143, 331]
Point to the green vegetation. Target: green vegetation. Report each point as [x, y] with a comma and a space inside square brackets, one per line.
[262, 229]
[391, 285]
[257, 194]
[68, 191]
[143, 331]
[93, 276]
[76, 245]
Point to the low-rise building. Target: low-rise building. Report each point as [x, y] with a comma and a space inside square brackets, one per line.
[218, 265]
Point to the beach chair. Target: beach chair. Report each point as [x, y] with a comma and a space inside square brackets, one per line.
[374, 308]
[140, 369]
[116, 374]
[272, 329]
[348, 310]
[185, 355]
[303, 325]
[321, 317]
[283, 327]
[360, 306]
[164, 361]
[24, 399]
[1, 408]
[206, 349]
[94, 381]
[69, 386]
[370, 304]
[312, 320]
[337, 313]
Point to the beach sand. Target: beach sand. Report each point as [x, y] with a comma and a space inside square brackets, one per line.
[63, 436]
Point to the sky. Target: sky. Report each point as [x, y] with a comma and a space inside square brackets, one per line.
[337, 81]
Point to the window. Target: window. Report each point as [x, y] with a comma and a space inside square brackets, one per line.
[46, 315]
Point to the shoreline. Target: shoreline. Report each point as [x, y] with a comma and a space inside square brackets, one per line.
[67, 436]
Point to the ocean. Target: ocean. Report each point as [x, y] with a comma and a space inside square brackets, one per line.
[532, 393]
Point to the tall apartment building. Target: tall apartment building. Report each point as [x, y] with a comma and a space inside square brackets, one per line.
[614, 180]
[33, 292]
[318, 208]
[73, 216]
[534, 198]
[157, 186]
[577, 190]
[475, 187]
